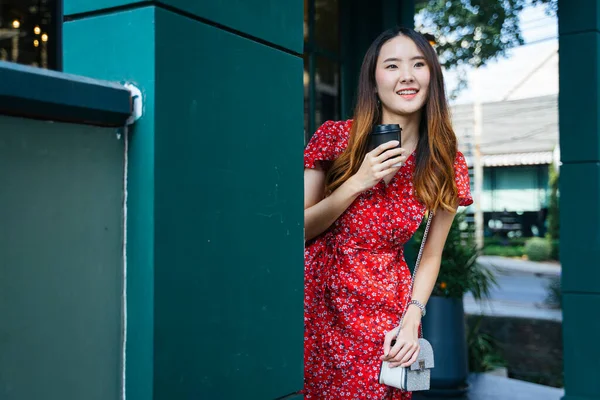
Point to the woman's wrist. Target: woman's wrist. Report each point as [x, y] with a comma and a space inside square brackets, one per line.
[354, 186]
[413, 314]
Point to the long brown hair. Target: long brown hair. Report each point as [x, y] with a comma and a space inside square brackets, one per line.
[436, 147]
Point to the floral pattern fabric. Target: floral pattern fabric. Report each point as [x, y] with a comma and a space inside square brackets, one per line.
[356, 278]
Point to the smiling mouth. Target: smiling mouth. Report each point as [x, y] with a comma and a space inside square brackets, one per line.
[407, 92]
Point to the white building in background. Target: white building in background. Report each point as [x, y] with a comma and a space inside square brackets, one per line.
[519, 137]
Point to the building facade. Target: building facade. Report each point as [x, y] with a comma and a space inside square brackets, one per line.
[518, 144]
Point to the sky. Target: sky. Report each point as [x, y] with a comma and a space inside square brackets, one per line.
[527, 71]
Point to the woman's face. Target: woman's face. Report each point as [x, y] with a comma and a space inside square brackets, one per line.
[402, 77]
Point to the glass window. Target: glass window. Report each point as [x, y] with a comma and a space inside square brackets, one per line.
[306, 96]
[321, 63]
[326, 91]
[327, 25]
[29, 32]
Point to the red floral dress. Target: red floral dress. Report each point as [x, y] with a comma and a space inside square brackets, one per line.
[356, 279]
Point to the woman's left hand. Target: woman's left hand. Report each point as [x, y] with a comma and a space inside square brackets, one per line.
[406, 349]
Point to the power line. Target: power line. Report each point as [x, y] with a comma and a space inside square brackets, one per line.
[513, 112]
[536, 41]
[529, 75]
[508, 113]
[518, 138]
[530, 21]
[502, 106]
[538, 26]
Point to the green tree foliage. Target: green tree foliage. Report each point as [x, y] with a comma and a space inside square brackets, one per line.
[553, 233]
[473, 32]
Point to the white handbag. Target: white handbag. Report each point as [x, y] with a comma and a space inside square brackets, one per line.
[417, 376]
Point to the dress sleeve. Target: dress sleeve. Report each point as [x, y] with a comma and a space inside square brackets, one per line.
[461, 177]
[328, 142]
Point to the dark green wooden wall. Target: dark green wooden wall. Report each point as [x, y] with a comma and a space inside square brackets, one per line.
[215, 254]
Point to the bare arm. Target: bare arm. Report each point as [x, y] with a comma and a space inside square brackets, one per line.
[431, 260]
[405, 351]
[321, 211]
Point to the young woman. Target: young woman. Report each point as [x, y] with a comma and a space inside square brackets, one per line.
[361, 208]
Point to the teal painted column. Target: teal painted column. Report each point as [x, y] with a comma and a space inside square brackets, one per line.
[229, 203]
[215, 252]
[119, 45]
[579, 63]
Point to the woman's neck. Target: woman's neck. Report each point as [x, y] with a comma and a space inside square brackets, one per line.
[410, 128]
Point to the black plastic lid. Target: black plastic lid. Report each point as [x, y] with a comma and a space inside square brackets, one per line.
[386, 128]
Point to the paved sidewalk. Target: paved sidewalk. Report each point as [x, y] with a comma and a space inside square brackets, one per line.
[516, 265]
[521, 291]
[489, 387]
[498, 308]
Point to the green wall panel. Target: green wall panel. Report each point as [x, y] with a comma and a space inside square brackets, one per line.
[229, 222]
[117, 59]
[61, 261]
[578, 103]
[581, 330]
[81, 6]
[579, 220]
[580, 195]
[278, 22]
[578, 16]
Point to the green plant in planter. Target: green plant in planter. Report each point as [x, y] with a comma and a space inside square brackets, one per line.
[459, 271]
[554, 296]
[484, 351]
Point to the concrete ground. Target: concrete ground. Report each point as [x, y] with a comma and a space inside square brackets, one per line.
[521, 292]
[490, 387]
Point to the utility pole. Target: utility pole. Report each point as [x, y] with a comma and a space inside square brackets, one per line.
[477, 162]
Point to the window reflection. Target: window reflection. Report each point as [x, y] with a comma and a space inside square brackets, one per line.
[327, 91]
[306, 78]
[306, 13]
[327, 25]
[29, 32]
[321, 63]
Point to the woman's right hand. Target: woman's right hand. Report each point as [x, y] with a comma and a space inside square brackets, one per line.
[378, 164]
